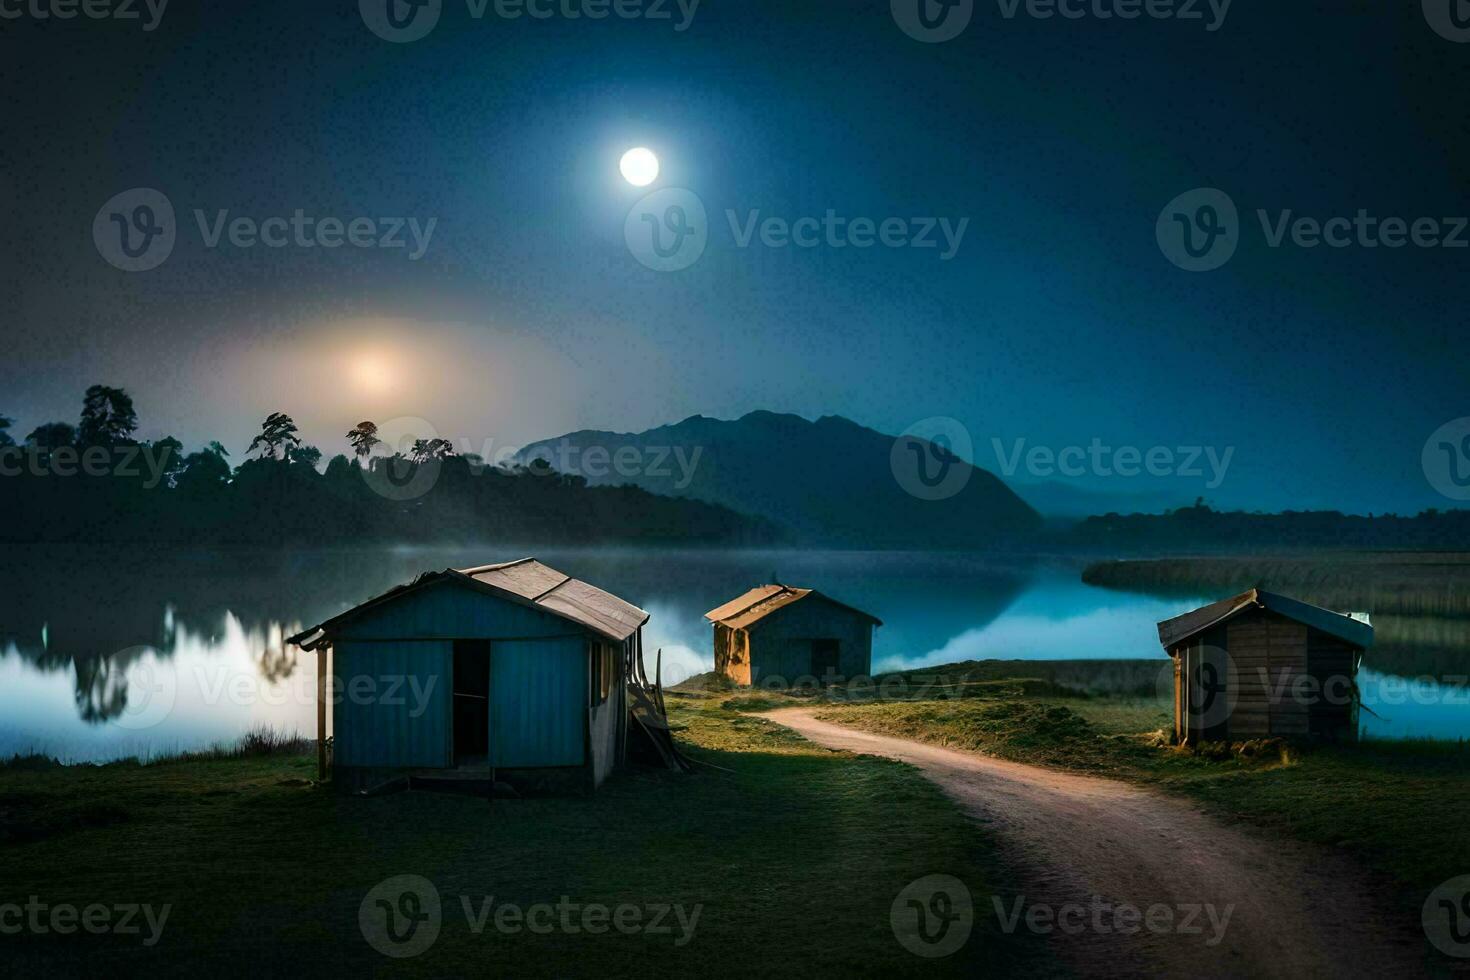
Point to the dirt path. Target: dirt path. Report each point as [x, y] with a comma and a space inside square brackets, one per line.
[1091, 842]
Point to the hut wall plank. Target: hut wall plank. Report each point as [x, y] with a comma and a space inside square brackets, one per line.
[392, 705]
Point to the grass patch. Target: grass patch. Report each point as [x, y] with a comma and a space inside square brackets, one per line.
[796, 855]
[1396, 807]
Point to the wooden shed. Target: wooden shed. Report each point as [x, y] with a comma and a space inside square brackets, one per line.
[478, 672]
[782, 634]
[1260, 664]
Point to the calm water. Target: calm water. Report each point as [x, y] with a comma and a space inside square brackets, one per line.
[116, 654]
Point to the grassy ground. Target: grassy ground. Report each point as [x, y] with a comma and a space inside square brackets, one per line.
[795, 857]
[1396, 807]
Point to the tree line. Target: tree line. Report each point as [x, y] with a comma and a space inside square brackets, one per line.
[93, 481]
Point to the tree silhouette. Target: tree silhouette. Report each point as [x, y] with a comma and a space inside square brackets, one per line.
[171, 458]
[52, 435]
[108, 418]
[427, 449]
[200, 498]
[277, 432]
[5, 439]
[204, 471]
[309, 455]
[363, 438]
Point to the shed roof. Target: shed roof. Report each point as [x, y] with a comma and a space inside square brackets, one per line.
[525, 581]
[763, 600]
[1353, 628]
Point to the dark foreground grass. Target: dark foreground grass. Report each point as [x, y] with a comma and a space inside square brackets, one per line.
[1397, 808]
[794, 857]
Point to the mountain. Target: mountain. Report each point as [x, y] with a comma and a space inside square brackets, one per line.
[831, 481]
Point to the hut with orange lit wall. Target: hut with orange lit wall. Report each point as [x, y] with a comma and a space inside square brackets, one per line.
[779, 634]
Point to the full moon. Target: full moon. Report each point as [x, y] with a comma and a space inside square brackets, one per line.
[639, 166]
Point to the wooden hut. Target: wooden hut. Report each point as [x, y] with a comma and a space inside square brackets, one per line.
[484, 672]
[782, 634]
[1259, 665]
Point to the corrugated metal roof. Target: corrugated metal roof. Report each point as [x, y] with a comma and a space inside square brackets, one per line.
[526, 581]
[721, 613]
[763, 600]
[1354, 628]
[527, 578]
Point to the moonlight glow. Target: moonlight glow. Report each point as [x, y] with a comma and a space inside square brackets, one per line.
[372, 374]
[639, 166]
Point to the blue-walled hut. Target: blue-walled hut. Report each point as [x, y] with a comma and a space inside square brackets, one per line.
[503, 669]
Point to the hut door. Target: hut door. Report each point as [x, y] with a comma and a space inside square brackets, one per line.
[539, 696]
[471, 701]
[824, 659]
[1209, 693]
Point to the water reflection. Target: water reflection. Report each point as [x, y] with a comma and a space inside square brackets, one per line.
[111, 654]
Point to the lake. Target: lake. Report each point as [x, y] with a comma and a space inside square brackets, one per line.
[107, 654]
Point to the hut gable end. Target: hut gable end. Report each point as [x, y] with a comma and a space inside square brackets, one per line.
[449, 609]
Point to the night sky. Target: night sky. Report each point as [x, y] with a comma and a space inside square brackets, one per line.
[1058, 320]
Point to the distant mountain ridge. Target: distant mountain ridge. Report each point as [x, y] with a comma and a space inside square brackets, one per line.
[829, 481]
